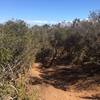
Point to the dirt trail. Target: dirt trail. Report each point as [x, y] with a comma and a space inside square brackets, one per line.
[48, 92]
[51, 93]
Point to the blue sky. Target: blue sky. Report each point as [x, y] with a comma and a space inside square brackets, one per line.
[46, 11]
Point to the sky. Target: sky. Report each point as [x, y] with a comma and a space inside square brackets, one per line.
[46, 11]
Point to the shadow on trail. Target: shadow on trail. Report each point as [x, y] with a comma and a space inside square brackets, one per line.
[80, 76]
[93, 97]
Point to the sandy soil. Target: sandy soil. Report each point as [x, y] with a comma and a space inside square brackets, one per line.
[51, 93]
[48, 92]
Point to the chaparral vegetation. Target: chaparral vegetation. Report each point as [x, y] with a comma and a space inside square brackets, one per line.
[76, 43]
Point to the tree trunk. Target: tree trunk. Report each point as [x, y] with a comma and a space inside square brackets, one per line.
[53, 58]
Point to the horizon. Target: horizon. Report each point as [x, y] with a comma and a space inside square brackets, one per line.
[38, 12]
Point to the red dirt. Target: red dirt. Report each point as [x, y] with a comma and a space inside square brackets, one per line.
[48, 92]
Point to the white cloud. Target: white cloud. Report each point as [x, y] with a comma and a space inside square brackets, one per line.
[33, 22]
[2, 20]
[39, 22]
